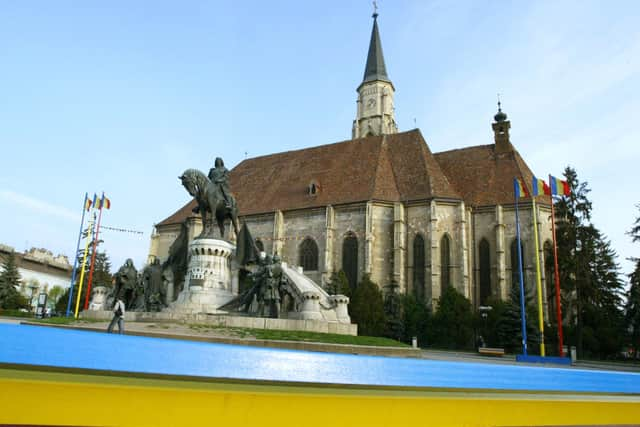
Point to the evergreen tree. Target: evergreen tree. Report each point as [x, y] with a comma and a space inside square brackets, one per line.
[507, 318]
[416, 319]
[366, 308]
[452, 325]
[393, 311]
[589, 275]
[9, 280]
[102, 271]
[632, 306]
[338, 284]
[573, 213]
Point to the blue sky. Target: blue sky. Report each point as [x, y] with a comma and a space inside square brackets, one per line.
[122, 96]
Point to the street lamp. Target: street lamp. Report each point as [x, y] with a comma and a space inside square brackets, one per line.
[484, 312]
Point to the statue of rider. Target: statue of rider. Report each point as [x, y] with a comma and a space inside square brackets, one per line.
[219, 175]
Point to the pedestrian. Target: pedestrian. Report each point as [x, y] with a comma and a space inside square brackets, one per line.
[118, 316]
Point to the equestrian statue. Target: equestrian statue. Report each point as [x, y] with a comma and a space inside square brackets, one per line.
[213, 197]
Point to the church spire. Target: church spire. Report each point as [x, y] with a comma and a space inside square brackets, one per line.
[501, 128]
[375, 68]
[375, 115]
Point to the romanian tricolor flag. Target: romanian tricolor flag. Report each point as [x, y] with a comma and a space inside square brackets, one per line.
[95, 201]
[519, 188]
[87, 204]
[559, 187]
[540, 187]
[106, 203]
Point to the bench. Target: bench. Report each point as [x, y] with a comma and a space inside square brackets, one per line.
[488, 351]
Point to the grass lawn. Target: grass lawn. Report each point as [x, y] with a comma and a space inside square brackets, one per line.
[270, 334]
[62, 320]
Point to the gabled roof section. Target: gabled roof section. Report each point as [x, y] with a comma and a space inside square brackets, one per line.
[417, 173]
[375, 68]
[483, 176]
[398, 167]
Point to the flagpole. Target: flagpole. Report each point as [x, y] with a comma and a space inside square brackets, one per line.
[538, 279]
[556, 275]
[93, 255]
[75, 256]
[84, 263]
[522, 311]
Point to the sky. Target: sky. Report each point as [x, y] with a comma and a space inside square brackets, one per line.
[123, 96]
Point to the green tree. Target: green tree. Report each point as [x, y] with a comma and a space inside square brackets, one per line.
[589, 275]
[452, 325]
[632, 306]
[573, 213]
[366, 308]
[10, 279]
[102, 271]
[416, 320]
[54, 294]
[338, 284]
[507, 318]
[394, 325]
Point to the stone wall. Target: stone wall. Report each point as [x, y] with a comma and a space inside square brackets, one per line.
[228, 321]
[299, 225]
[386, 233]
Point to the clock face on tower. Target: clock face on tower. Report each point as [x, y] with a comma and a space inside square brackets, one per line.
[371, 102]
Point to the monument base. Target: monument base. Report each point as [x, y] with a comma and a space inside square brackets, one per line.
[209, 282]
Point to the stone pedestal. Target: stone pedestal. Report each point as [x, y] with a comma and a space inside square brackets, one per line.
[310, 306]
[341, 302]
[209, 282]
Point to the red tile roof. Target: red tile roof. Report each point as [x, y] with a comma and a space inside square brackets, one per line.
[397, 167]
[483, 176]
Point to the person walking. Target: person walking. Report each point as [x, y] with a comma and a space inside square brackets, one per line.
[118, 316]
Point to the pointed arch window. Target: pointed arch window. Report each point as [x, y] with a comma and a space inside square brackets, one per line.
[418, 267]
[350, 259]
[445, 263]
[484, 255]
[515, 271]
[308, 255]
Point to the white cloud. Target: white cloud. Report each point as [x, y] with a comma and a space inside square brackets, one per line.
[37, 205]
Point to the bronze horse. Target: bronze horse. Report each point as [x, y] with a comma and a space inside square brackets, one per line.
[210, 202]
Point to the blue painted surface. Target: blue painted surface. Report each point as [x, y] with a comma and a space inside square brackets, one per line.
[35, 345]
[527, 358]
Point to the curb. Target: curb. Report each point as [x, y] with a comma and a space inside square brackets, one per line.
[289, 345]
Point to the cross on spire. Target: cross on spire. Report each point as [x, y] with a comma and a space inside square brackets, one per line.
[375, 10]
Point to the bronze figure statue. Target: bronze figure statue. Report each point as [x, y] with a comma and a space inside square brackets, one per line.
[219, 175]
[213, 198]
[152, 283]
[126, 281]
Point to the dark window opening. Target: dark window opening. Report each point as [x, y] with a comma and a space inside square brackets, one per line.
[515, 271]
[418, 268]
[350, 259]
[309, 255]
[485, 271]
[445, 263]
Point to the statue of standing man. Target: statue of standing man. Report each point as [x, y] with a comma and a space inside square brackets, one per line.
[219, 175]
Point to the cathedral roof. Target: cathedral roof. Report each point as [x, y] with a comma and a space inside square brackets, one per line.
[375, 68]
[397, 167]
[483, 176]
